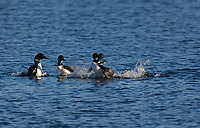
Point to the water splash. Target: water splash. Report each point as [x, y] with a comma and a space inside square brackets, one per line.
[81, 72]
[137, 72]
[22, 71]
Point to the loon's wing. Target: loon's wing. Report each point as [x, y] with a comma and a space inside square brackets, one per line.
[109, 73]
[70, 68]
[32, 71]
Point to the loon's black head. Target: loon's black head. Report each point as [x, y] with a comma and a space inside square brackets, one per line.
[60, 59]
[95, 57]
[101, 56]
[38, 57]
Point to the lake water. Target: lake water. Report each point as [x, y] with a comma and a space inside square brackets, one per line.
[161, 37]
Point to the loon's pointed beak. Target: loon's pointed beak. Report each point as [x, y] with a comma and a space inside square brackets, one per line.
[64, 60]
[45, 57]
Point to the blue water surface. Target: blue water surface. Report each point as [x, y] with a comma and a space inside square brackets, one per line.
[160, 36]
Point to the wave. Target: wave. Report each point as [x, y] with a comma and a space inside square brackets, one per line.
[83, 72]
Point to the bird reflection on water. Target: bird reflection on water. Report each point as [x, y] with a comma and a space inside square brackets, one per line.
[95, 82]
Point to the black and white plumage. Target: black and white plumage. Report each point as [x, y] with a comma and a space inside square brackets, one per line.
[100, 70]
[36, 69]
[64, 70]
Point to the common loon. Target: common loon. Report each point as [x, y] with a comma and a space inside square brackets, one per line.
[100, 70]
[64, 70]
[36, 69]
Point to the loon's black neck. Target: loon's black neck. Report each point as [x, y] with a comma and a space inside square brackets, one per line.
[60, 63]
[96, 61]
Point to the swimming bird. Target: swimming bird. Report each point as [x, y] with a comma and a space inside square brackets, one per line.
[100, 70]
[36, 69]
[64, 70]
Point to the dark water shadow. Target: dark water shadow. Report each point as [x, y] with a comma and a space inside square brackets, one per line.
[101, 82]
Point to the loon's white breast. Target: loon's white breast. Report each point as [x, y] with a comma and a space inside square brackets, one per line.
[95, 67]
[62, 71]
[98, 71]
[39, 70]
